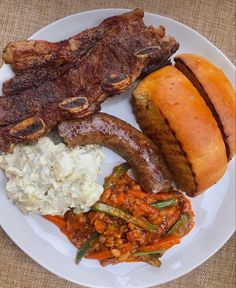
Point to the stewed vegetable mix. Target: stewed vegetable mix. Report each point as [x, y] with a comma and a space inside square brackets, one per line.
[128, 224]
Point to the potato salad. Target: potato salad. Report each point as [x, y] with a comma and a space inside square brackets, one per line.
[47, 178]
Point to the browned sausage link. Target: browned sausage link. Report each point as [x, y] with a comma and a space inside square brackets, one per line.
[143, 156]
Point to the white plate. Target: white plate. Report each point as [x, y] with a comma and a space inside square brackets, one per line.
[215, 209]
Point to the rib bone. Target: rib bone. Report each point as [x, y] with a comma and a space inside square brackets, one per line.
[74, 104]
[29, 129]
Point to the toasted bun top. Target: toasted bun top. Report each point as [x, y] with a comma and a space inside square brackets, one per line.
[191, 121]
[219, 91]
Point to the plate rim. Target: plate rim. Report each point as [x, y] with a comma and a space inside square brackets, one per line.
[223, 242]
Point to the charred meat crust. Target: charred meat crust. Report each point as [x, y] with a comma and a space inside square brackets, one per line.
[179, 64]
[34, 59]
[143, 156]
[33, 54]
[36, 62]
[34, 78]
[109, 67]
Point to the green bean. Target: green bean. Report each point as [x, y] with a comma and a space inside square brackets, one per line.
[149, 252]
[82, 251]
[152, 260]
[115, 212]
[179, 225]
[164, 203]
[116, 174]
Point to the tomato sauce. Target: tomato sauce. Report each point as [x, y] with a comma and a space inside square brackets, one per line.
[121, 241]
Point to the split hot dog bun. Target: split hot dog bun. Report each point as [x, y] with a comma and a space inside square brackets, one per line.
[217, 92]
[173, 114]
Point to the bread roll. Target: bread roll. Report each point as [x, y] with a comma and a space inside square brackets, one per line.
[172, 113]
[216, 91]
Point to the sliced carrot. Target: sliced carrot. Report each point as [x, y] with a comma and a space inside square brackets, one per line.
[137, 194]
[100, 255]
[132, 260]
[127, 248]
[120, 198]
[100, 226]
[159, 196]
[57, 220]
[164, 243]
[106, 194]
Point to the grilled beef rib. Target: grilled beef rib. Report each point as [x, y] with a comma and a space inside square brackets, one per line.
[109, 66]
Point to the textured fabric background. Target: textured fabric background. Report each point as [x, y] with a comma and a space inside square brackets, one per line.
[213, 19]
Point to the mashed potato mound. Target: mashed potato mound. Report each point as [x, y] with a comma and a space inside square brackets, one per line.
[46, 178]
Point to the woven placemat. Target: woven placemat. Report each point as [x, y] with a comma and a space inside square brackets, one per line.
[213, 19]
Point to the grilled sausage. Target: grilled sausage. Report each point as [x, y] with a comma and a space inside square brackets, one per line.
[143, 156]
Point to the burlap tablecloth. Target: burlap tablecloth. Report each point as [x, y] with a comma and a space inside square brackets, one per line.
[213, 19]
